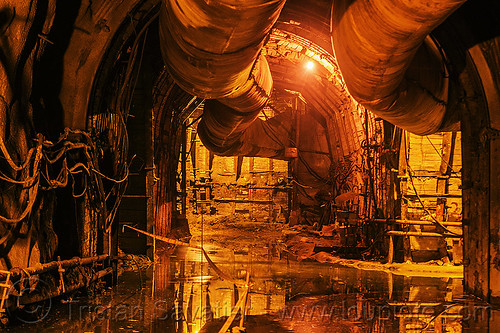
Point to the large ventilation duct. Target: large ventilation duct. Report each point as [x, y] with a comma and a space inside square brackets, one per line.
[212, 50]
[389, 64]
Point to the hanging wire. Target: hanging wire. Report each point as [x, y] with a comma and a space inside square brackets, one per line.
[445, 310]
[48, 154]
[440, 155]
[410, 170]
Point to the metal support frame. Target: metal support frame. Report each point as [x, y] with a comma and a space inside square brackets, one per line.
[5, 286]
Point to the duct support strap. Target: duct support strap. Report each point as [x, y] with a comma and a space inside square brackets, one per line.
[387, 66]
[212, 50]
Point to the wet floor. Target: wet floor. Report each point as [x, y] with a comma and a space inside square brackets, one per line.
[181, 294]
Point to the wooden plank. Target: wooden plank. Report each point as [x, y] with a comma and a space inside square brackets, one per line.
[228, 200]
[421, 234]
[415, 222]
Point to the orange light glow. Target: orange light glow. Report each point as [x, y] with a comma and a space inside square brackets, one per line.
[310, 65]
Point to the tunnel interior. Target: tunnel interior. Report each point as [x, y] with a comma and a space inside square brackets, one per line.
[243, 160]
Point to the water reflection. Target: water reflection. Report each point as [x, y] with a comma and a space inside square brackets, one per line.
[182, 294]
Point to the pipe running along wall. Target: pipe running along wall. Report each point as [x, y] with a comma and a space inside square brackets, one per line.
[212, 50]
[389, 63]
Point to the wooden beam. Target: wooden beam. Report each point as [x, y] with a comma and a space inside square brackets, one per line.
[421, 234]
[254, 201]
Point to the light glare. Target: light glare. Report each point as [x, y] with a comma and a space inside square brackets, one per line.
[310, 65]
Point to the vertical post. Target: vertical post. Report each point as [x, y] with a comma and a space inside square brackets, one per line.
[293, 164]
[395, 209]
[235, 193]
[113, 250]
[296, 137]
[446, 161]
[194, 152]
[403, 189]
[149, 168]
[250, 187]
[269, 191]
[293, 143]
[390, 255]
[290, 191]
[183, 169]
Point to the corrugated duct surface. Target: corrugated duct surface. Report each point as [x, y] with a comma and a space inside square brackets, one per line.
[212, 50]
[378, 46]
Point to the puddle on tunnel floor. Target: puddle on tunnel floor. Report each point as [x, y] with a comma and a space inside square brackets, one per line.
[176, 296]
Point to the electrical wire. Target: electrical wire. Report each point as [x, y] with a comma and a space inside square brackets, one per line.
[437, 316]
[40, 162]
[47, 155]
[440, 155]
[311, 171]
[410, 170]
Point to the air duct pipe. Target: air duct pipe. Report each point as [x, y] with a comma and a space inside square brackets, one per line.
[389, 63]
[212, 50]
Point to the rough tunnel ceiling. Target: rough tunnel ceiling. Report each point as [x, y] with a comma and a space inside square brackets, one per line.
[330, 125]
[309, 21]
[322, 87]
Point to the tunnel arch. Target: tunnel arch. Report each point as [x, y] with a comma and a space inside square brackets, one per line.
[339, 118]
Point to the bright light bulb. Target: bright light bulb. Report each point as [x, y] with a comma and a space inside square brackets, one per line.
[310, 65]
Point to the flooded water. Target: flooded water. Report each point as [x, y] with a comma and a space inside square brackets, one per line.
[180, 293]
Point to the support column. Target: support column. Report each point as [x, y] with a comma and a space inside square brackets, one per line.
[480, 190]
[481, 175]
[184, 156]
[494, 260]
[477, 72]
[476, 202]
[149, 168]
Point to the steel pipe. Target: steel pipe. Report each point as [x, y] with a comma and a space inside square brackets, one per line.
[54, 265]
[30, 298]
[387, 66]
[212, 50]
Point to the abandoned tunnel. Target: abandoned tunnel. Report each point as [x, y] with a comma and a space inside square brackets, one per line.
[250, 166]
